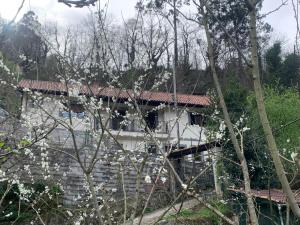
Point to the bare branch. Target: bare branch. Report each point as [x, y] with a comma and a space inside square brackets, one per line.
[283, 3]
[79, 3]
[19, 9]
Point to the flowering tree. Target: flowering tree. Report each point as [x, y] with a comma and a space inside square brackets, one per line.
[51, 148]
[74, 131]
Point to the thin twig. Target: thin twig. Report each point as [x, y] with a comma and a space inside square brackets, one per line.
[19, 9]
[283, 3]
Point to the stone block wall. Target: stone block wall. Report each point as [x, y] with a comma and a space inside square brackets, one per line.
[55, 164]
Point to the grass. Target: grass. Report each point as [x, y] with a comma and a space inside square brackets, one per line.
[200, 214]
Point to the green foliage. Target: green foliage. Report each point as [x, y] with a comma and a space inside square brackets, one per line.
[284, 70]
[8, 96]
[202, 214]
[236, 99]
[283, 113]
[289, 75]
[24, 143]
[282, 109]
[10, 148]
[273, 62]
[210, 215]
[17, 205]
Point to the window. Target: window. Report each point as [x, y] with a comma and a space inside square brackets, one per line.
[77, 110]
[117, 119]
[96, 123]
[196, 119]
[151, 119]
[152, 149]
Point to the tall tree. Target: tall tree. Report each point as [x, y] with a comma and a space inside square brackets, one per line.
[290, 71]
[238, 149]
[21, 44]
[228, 21]
[284, 70]
[273, 62]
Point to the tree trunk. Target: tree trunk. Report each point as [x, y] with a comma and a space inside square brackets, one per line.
[175, 72]
[217, 172]
[90, 182]
[240, 154]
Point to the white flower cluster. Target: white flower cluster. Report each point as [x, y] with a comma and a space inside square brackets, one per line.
[162, 78]
[4, 67]
[148, 179]
[294, 155]
[2, 176]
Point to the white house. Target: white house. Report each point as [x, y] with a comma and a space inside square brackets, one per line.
[48, 105]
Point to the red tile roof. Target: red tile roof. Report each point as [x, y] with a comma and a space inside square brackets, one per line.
[275, 195]
[49, 86]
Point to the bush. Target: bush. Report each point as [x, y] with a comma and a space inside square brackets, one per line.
[17, 204]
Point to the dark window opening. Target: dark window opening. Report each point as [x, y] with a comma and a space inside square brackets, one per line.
[197, 119]
[77, 110]
[96, 123]
[152, 149]
[174, 147]
[151, 119]
[117, 119]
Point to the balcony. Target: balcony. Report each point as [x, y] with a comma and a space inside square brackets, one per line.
[133, 129]
[132, 126]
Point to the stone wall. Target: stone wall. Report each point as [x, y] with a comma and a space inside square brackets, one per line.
[55, 164]
[192, 169]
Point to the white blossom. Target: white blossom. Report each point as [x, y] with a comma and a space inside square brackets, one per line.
[69, 213]
[294, 155]
[163, 179]
[148, 179]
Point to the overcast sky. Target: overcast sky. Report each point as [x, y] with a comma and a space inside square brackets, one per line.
[282, 21]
